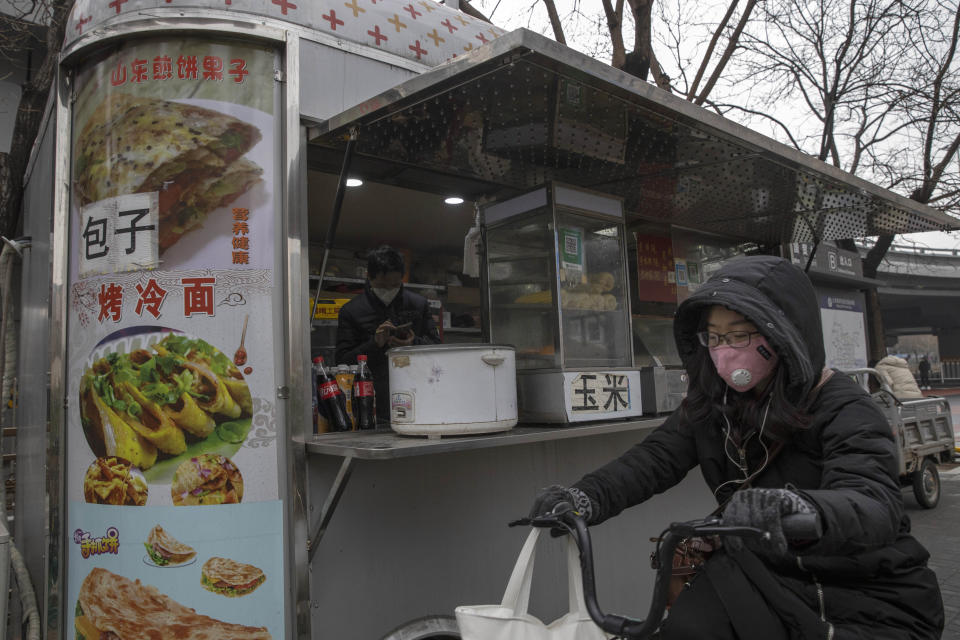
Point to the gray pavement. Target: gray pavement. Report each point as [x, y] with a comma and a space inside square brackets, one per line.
[939, 531]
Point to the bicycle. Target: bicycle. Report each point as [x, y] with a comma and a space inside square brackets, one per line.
[563, 516]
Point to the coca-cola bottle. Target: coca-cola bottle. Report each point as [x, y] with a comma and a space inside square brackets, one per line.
[320, 422]
[332, 401]
[364, 400]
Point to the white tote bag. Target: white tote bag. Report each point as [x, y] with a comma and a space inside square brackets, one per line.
[510, 621]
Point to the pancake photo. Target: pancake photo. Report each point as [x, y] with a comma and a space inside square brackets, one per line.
[207, 479]
[191, 156]
[113, 606]
[230, 578]
[163, 550]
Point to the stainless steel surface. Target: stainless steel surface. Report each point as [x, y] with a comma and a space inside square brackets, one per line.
[349, 32]
[340, 69]
[385, 445]
[4, 577]
[293, 330]
[681, 164]
[32, 372]
[54, 609]
[662, 390]
[181, 21]
[427, 348]
[329, 506]
[430, 533]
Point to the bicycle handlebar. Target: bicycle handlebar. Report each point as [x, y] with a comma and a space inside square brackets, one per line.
[563, 516]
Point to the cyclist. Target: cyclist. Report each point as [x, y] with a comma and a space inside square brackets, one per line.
[762, 410]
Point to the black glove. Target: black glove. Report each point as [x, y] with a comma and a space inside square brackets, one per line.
[549, 497]
[763, 509]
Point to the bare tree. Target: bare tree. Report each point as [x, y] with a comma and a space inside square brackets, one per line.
[878, 81]
[39, 28]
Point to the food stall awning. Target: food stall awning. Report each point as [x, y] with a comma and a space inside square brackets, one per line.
[524, 109]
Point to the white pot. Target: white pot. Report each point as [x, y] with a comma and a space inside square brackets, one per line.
[452, 389]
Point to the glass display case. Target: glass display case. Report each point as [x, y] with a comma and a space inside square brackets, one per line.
[557, 253]
[557, 290]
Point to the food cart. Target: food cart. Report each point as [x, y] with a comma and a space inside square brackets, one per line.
[198, 154]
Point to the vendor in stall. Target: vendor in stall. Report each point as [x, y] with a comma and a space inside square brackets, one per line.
[385, 315]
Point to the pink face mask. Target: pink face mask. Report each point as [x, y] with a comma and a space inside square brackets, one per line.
[745, 368]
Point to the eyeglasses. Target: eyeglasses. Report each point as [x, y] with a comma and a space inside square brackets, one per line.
[736, 339]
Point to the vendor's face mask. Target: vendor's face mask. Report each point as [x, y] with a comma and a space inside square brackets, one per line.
[386, 295]
[744, 368]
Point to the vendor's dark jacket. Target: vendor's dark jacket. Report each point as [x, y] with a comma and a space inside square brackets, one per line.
[358, 322]
[866, 577]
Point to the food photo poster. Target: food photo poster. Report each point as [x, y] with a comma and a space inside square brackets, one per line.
[171, 475]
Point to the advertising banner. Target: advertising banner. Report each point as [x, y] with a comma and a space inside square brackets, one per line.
[656, 270]
[173, 510]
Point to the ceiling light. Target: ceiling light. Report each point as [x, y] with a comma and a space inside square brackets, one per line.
[354, 182]
[454, 200]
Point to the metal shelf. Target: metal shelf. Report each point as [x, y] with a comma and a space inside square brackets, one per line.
[519, 281]
[530, 306]
[536, 255]
[384, 444]
[471, 330]
[410, 285]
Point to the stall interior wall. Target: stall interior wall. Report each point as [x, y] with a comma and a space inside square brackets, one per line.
[419, 536]
[33, 366]
[333, 80]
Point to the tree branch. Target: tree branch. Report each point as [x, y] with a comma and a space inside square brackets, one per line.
[555, 21]
[692, 91]
[615, 26]
[728, 52]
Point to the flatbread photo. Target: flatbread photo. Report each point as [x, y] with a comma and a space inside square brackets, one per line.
[115, 481]
[230, 578]
[163, 550]
[113, 606]
[207, 479]
[189, 155]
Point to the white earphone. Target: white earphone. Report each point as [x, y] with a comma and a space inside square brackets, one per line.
[726, 441]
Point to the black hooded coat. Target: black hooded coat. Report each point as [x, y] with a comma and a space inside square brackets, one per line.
[866, 577]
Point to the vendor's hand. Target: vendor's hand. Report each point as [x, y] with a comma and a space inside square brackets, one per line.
[402, 339]
[549, 497]
[763, 509]
[383, 334]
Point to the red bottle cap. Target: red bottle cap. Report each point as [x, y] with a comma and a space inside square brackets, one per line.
[317, 359]
[361, 358]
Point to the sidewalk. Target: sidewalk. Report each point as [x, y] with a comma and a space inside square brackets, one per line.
[942, 391]
[938, 530]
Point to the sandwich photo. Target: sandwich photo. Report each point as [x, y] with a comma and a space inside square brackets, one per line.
[115, 607]
[209, 478]
[114, 481]
[190, 155]
[150, 404]
[166, 551]
[230, 578]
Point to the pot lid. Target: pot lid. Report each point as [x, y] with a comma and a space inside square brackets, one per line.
[524, 110]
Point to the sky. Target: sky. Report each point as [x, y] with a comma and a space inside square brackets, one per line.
[580, 25]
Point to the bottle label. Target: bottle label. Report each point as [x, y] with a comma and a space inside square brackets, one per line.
[363, 389]
[329, 389]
